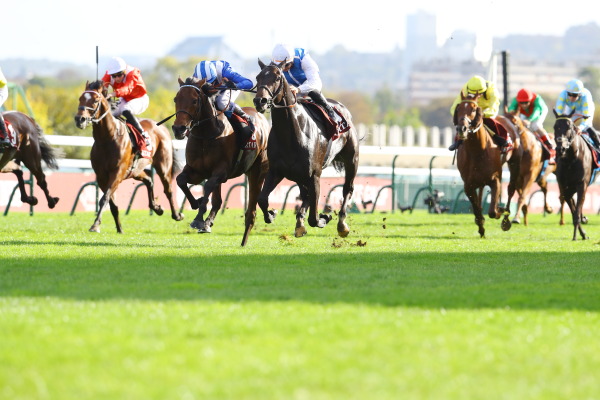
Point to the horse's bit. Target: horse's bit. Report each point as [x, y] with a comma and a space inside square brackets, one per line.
[94, 111]
[270, 103]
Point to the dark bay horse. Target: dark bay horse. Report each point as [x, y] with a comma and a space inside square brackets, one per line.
[529, 169]
[31, 149]
[479, 162]
[212, 150]
[112, 157]
[574, 166]
[299, 150]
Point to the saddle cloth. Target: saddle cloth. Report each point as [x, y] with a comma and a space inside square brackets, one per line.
[12, 135]
[318, 113]
[139, 141]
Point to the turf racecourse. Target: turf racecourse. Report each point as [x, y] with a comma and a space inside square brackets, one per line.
[409, 306]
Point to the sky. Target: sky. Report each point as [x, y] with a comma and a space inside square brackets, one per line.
[70, 30]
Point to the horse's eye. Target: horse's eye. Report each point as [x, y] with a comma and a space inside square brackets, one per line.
[195, 102]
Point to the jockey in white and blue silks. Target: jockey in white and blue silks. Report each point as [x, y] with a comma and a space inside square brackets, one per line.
[302, 73]
[221, 74]
[576, 97]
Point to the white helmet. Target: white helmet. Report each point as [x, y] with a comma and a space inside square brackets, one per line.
[283, 52]
[116, 64]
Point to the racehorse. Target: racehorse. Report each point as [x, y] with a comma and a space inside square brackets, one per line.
[112, 156]
[479, 162]
[212, 151]
[31, 148]
[299, 150]
[574, 166]
[529, 167]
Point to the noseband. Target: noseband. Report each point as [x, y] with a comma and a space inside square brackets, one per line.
[270, 100]
[93, 111]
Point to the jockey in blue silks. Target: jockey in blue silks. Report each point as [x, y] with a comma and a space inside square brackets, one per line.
[302, 73]
[221, 74]
[576, 97]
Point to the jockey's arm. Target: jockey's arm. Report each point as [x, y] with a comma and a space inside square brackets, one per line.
[313, 80]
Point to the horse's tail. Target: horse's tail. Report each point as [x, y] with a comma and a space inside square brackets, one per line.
[49, 154]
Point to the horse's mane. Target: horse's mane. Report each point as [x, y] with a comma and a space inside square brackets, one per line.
[96, 85]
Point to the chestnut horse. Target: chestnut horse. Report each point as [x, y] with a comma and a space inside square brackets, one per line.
[299, 150]
[574, 167]
[112, 156]
[529, 169]
[212, 151]
[31, 148]
[479, 162]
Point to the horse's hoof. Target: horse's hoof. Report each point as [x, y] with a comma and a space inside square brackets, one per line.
[506, 225]
[326, 217]
[205, 229]
[197, 224]
[95, 229]
[516, 221]
[53, 201]
[584, 220]
[299, 232]
[31, 200]
[344, 233]
[270, 216]
[158, 210]
[178, 217]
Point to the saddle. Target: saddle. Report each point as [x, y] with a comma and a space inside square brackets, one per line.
[139, 142]
[332, 130]
[594, 150]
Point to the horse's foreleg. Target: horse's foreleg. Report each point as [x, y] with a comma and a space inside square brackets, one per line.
[300, 229]
[270, 184]
[348, 190]
[101, 206]
[580, 201]
[216, 202]
[182, 181]
[314, 190]
[25, 198]
[562, 211]
[209, 187]
[475, 197]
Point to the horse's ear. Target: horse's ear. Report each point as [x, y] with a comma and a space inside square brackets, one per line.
[555, 113]
[462, 96]
[505, 109]
[572, 112]
[180, 81]
[87, 85]
[478, 116]
[261, 64]
[455, 117]
[281, 64]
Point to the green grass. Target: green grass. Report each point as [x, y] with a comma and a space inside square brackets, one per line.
[411, 306]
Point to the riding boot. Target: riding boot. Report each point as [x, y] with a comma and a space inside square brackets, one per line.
[132, 120]
[457, 142]
[505, 144]
[237, 110]
[552, 158]
[318, 98]
[594, 136]
[4, 142]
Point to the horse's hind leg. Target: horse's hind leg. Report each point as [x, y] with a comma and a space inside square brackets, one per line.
[114, 210]
[25, 198]
[300, 229]
[580, 201]
[41, 181]
[165, 179]
[145, 179]
[314, 190]
[348, 190]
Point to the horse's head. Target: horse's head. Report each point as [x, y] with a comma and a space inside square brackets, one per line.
[565, 132]
[188, 106]
[468, 116]
[91, 103]
[270, 85]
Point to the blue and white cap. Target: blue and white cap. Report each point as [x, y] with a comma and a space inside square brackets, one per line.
[206, 70]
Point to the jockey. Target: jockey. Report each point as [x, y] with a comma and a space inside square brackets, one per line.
[533, 111]
[4, 142]
[302, 73]
[576, 97]
[489, 102]
[220, 74]
[129, 87]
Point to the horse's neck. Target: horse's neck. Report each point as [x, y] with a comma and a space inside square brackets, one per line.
[108, 128]
[480, 139]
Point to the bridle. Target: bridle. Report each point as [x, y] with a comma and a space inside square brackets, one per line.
[195, 120]
[94, 111]
[273, 95]
[565, 140]
[468, 122]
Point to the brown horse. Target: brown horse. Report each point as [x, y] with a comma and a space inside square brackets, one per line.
[529, 167]
[112, 156]
[574, 167]
[31, 149]
[299, 149]
[479, 162]
[212, 151]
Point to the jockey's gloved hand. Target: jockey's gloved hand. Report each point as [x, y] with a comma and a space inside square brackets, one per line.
[231, 84]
